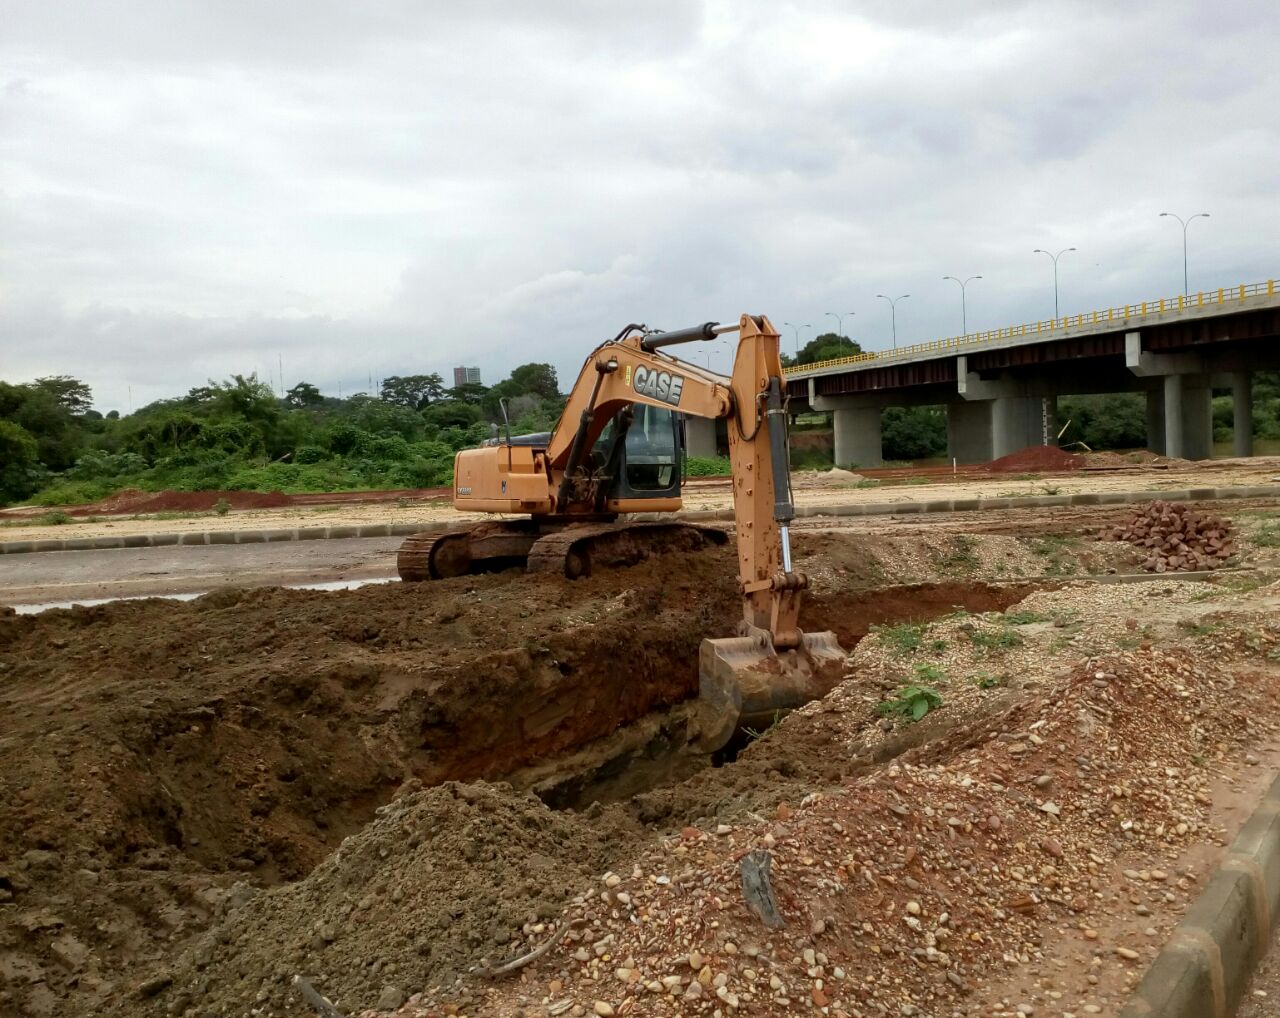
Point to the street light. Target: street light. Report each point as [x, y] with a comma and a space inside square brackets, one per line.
[964, 314]
[796, 329]
[1186, 290]
[839, 317]
[893, 313]
[1055, 258]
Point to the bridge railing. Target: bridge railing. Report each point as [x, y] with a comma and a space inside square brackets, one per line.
[1222, 295]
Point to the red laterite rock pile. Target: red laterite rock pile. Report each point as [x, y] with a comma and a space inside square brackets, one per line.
[1176, 537]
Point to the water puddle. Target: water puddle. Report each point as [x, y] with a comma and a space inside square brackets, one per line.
[89, 602]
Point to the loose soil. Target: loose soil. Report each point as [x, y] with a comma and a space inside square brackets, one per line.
[199, 800]
[1041, 458]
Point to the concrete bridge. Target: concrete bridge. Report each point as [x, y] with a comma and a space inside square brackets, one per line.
[1000, 388]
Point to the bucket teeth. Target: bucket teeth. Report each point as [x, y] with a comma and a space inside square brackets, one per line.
[745, 683]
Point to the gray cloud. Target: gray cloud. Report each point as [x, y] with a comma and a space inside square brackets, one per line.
[192, 189]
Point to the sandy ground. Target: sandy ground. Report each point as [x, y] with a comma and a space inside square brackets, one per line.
[811, 489]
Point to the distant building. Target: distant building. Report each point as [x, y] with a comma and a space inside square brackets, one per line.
[466, 376]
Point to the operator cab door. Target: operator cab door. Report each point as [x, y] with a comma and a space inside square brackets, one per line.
[650, 456]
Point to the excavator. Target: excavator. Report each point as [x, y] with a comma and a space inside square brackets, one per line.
[615, 454]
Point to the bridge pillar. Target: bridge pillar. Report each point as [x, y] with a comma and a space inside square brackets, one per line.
[969, 431]
[1188, 417]
[1155, 421]
[1016, 422]
[1242, 413]
[700, 436]
[857, 437]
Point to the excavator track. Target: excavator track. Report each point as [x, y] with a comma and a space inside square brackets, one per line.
[578, 549]
[464, 550]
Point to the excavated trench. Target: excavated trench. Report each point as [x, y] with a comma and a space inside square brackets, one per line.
[173, 748]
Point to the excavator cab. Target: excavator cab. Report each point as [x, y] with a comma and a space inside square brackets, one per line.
[639, 455]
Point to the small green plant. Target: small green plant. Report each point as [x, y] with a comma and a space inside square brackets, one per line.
[903, 638]
[755, 733]
[999, 639]
[56, 518]
[1051, 489]
[930, 673]
[222, 507]
[911, 704]
[985, 680]
[1023, 617]
[1200, 629]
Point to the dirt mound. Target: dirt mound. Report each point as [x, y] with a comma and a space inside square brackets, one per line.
[443, 877]
[135, 502]
[1037, 458]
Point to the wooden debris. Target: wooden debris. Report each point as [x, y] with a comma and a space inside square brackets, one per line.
[757, 889]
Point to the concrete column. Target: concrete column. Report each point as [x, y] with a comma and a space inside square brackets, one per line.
[857, 437]
[1242, 413]
[969, 431]
[700, 436]
[1173, 415]
[1016, 422]
[1197, 417]
[1155, 421]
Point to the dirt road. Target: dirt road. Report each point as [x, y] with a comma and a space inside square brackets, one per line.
[130, 572]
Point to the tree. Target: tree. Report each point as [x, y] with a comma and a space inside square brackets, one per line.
[467, 392]
[413, 391]
[71, 394]
[913, 433]
[539, 379]
[451, 413]
[826, 347]
[303, 395]
[19, 462]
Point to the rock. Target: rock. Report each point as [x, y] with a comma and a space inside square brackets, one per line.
[1044, 781]
[150, 987]
[1127, 953]
[391, 998]
[603, 1009]
[693, 991]
[1052, 808]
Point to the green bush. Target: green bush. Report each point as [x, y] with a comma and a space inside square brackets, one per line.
[707, 466]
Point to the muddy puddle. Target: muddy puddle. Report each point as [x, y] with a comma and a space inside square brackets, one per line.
[92, 602]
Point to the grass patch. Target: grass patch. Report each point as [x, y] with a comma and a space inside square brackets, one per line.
[934, 675]
[904, 638]
[707, 466]
[1268, 536]
[994, 640]
[963, 554]
[985, 680]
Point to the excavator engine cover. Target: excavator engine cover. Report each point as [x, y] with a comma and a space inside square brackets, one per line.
[745, 683]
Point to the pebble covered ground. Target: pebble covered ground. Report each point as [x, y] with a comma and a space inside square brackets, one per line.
[1028, 857]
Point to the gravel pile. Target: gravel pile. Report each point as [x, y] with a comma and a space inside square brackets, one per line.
[912, 889]
[1176, 537]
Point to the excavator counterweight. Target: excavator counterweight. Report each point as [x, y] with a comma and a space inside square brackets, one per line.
[617, 452]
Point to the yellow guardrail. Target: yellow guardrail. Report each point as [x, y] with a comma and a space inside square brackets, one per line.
[1222, 295]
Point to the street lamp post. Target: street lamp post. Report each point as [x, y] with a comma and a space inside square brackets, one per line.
[964, 314]
[796, 329]
[893, 313]
[839, 317]
[1186, 290]
[1055, 258]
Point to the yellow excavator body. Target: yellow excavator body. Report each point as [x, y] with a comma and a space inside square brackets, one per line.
[574, 500]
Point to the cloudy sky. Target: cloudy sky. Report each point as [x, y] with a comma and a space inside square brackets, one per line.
[358, 189]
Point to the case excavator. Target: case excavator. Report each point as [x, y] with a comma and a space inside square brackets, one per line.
[573, 496]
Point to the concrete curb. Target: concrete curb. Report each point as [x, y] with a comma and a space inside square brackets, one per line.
[1204, 969]
[806, 511]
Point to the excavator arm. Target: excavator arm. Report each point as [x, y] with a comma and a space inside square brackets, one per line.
[744, 678]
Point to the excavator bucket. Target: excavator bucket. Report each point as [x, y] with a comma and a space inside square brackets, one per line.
[744, 683]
